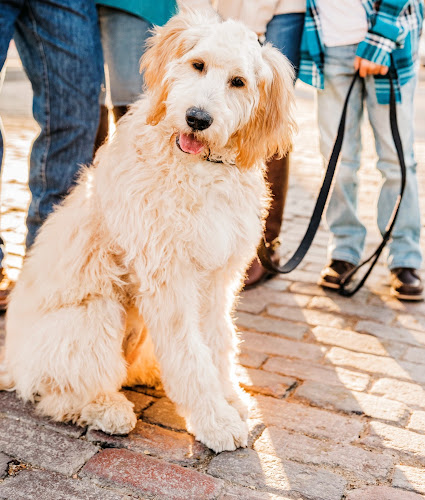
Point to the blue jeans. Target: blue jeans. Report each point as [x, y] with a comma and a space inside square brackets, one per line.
[59, 45]
[347, 232]
[123, 40]
[284, 31]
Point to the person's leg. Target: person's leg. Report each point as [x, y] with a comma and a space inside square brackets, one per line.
[123, 41]
[284, 32]
[347, 232]
[404, 246]
[8, 15]
[9, 12]
[59, 44]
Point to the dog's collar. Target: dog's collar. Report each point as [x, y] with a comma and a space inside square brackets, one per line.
[219, 159]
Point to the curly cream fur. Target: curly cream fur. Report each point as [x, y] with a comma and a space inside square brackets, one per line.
[134, 276]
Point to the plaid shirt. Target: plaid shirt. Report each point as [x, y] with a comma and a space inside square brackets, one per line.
[392, 40]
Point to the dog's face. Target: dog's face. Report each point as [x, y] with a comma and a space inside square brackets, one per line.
[214, 87]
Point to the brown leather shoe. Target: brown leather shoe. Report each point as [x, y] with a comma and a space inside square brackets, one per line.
[6, 286]
[256, 274]
[406, 284]
[332, 274]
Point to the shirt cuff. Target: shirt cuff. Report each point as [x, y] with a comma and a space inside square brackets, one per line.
[376, 48]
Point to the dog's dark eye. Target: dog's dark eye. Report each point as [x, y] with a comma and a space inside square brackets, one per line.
[199, 66]
[237, 82]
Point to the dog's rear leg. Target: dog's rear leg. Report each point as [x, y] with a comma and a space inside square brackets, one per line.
[6, 381]
[73, 360]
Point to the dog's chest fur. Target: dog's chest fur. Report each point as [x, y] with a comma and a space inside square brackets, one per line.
[214, 212]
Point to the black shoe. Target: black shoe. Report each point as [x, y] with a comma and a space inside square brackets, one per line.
[406, 284]
[332, 274]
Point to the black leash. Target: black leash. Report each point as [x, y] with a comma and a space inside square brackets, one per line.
[301, 251]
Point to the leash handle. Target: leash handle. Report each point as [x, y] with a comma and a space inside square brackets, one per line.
[316, 217]
[301, 251]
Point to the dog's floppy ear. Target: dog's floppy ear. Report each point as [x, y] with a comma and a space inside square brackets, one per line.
[167, 43]
[270, 129]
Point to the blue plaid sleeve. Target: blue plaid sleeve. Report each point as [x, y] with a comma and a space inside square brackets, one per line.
[383, 36]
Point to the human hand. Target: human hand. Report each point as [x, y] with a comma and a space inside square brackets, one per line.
[366, 67]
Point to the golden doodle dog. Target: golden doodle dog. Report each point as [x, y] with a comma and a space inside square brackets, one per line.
[132, 280]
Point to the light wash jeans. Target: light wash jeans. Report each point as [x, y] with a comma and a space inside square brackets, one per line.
[123, 40]
[59, 45]
[347, 232]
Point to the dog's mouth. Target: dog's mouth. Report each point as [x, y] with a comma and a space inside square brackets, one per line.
[189, 144]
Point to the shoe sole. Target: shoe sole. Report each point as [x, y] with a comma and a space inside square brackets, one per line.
[326, 284]
[401, 296]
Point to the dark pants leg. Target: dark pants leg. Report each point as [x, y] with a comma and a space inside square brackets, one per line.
[59, 44]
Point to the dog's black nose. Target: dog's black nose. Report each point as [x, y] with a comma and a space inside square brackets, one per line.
[198, 119]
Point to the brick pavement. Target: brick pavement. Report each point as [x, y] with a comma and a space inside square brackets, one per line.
[338, 385]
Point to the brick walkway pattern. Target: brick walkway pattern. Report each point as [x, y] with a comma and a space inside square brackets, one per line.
[338, 385]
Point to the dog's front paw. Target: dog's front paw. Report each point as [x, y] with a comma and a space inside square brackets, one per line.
[111, 414]
[241, 402]
[221, 430]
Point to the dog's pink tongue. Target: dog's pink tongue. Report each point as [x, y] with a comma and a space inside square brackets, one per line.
[190, 144]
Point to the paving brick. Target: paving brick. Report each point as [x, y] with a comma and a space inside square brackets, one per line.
[42, 447]
[278, 285]
[44, 485]
[309, 316]
[251, 359]
[178, 447]
[280, 347]
[386, 333]
[256, 300]
[269, 384]
[387, 436]
[136, 473]
[270, 325]
[4, 461]
[164, 412]
[349, 340]
[377, 364]
[381, 493]
[415, 355]
[258, 470]
[308, 289]
[411, 322]
[255, 429]
[406, 392]
[348, 307]
[289, 446]
[12, 406]
[155, 392]
[306, 420]
[239, 493]
[302, 276]
[141, 401]
[417, 422]
[324, 374]
[409, 478]
[340, 398]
